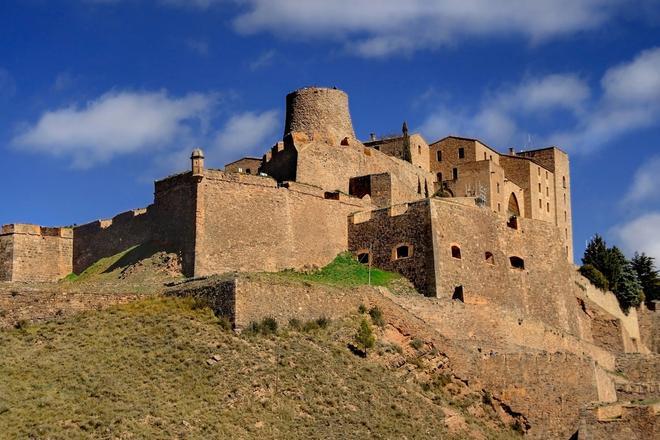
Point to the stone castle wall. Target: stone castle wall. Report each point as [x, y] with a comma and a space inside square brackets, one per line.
[34, 253]
[249, 223]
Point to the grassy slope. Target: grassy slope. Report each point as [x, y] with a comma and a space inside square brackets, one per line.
[344, 270]
[139, 371]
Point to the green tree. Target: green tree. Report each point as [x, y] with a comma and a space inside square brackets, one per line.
[595, 276]
[648, 276]
[596, 253]
[628, 288]
[615, 263]
[365, 336]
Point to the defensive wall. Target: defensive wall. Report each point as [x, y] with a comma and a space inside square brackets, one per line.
[35, 253]
[472, 254]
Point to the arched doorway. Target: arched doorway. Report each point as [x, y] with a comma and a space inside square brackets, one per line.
[513, 207]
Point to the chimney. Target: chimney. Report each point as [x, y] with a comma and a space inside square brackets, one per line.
[512, 152]
[372, 136]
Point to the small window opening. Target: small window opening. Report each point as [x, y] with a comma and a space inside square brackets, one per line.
[419, 149]
[547, 191]
[540, 203]
[498, 187]
[438, 155]
[548, 206]
[512, 222]
[539, 186]
[377, 148]
[539, 170]
[454, 173]
[546, 175]
[458, 293]
[363, 257]
[499, 208]
[456, 252]
[517, 262]
[248, 171]
[485, 156]
[461, 153]
[403, 251]
[439, 177]
[489, 258]
[563, 181]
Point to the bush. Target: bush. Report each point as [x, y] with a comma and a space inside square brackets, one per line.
[323, 322]
[595, 276]
[416, 343]
[310, 326]
[365, 336]
[224, 323]
[295, 324]
[362, 309]
[377, 316]
[267, 326]
[628, 288]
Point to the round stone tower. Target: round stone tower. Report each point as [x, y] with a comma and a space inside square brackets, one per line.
[319, 112]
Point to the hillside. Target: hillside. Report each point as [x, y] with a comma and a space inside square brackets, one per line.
[167, 368]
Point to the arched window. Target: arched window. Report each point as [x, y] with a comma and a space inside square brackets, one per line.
[489, 258]
[517, 262]
[456, 252]
[402, 251]
[419, 149]
[513, 207]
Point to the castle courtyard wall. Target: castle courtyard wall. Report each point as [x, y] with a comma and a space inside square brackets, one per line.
[6, 256]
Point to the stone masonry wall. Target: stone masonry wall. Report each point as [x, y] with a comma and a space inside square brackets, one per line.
[248, 223]
[380, 232]
[104, 238]
[37, 253]
[542, 289]
[319, 112]
[6, 257]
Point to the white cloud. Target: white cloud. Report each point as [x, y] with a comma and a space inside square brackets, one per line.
[199, 46]
[641, 234]
[263, 60]
[646, 183]
[380, 28]
[630, 101]
[495, 118]
[247, 132]
[116, 123]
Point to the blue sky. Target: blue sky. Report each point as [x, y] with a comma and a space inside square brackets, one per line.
[100, 97]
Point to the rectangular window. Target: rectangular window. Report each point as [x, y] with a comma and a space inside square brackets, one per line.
[438, 155]
[461, 153]
[548, 206]
[540, 203]
[546, 175]
[547, 191]
[565, 216]
[498, 187]
[539, 187]
[454, 173]
[539, 170]
[499, 208]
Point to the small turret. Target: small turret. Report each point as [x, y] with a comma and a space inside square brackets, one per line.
[197, 158]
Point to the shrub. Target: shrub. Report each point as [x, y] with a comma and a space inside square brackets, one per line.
[323, 322]
[628, 288]
[362, 309]
[595, 276]
[365, 336]
[268, 326]
[377, 316]
[295, 324]
[648, 276]
[224, 323]
[416, 343]
[310, 326]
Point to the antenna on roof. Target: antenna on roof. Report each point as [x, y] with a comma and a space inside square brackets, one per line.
[528, 144]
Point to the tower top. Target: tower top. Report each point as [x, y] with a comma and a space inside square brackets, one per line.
[319, 112]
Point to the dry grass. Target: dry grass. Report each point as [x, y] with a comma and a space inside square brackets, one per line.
[143, 370]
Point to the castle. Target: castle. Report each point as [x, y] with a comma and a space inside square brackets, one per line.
[398, 203]
[486, 235]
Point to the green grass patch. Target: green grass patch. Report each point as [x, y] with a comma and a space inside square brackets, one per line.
[98, 268]
[345, 270]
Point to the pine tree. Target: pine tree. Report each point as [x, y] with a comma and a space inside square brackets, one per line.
[628, 288]
[596, 253]
[648, 276]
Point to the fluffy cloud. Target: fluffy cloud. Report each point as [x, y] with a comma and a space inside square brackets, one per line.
[640, 235]
[116, 123]
[629, 99]
[646, 183]
[247, 132]
[386, 27]
[495, 119]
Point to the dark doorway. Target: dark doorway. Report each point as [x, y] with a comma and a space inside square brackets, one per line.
[458, 293]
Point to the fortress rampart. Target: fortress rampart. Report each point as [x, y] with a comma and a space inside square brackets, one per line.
[35, 253]
[321, 113]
